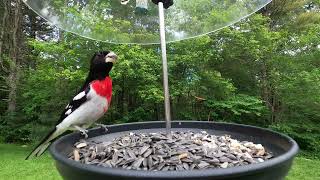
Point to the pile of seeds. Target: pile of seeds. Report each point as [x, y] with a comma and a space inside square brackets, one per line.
[183, 151]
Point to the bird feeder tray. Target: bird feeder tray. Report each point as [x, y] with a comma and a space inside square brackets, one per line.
[283, 148]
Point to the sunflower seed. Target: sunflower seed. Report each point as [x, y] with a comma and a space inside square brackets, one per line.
[203, 165]
[81, 145]
[136, 164]
[76, 155]
[147, 153]
[161, 166]
[144, 149]
[224, 165]
[185, 166]
[156, 152]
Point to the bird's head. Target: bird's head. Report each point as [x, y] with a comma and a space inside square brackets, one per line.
[110, 57]
[102, 63]
[104, 57]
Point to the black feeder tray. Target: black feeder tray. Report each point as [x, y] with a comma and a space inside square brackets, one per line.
[283, 148]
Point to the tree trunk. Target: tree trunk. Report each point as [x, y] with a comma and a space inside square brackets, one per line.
[15, 55]
[12, 82]
[268, 93]
[3, 28]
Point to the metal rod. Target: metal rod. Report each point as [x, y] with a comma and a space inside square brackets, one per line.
[165, 69]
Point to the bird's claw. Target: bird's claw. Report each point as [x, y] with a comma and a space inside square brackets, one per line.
[103, 127]
[84, 133]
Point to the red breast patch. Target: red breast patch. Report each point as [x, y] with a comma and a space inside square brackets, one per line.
[103, 88]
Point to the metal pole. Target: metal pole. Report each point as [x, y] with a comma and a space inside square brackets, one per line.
[165, 69]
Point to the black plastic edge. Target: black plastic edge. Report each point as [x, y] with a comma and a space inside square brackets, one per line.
[228, 172]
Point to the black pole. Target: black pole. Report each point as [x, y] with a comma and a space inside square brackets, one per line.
[166, 3]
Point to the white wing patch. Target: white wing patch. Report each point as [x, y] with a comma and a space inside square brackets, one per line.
[79, 96]
[68, 112]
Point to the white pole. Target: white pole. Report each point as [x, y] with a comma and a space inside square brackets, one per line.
[165, 69]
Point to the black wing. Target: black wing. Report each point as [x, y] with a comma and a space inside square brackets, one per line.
[74, 104]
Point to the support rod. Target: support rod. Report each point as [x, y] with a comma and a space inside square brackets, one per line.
[165, 69]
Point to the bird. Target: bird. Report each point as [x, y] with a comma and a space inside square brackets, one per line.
[91, 102]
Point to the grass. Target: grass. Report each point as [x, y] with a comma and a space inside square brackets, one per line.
[14, 167]
[305, 169]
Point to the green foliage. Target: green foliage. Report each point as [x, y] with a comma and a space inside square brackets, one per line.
[307, 135]
[302, 85]
[18, 136]
[240, 109]
[13, 130]
[52, 79]
[211, 85]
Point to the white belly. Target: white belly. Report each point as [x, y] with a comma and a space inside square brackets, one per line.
[89, 112]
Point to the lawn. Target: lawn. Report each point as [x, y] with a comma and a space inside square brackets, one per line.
[13, 166]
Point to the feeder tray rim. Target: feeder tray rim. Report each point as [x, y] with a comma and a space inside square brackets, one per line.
[226, 172]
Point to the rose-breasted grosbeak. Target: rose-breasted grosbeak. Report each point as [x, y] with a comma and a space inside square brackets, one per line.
[88, 105]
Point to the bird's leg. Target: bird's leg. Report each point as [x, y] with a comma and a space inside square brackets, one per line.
[102, 126]
[83, 131]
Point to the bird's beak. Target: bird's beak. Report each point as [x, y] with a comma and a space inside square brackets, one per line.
[111, 57]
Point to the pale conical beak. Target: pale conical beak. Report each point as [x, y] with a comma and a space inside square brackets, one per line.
[111, 57]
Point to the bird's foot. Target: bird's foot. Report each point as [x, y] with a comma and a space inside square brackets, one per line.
[84, 133]
[103, 127]
[82, 130]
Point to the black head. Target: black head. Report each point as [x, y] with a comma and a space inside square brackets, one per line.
[101, 64]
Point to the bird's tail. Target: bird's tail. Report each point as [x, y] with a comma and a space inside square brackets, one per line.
[44, 144]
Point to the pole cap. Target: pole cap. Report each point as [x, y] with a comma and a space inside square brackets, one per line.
[166, 3]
